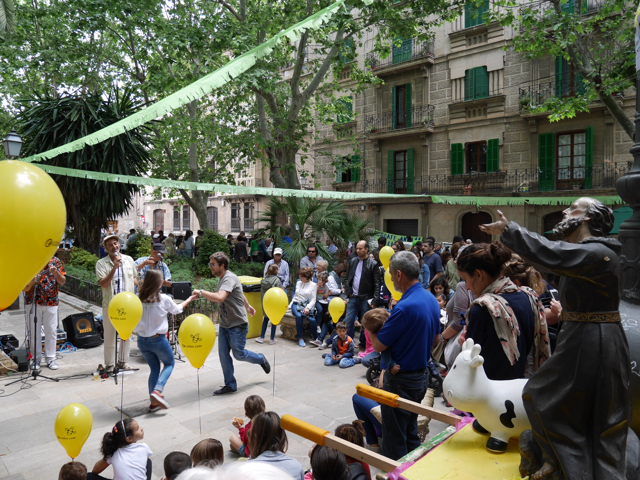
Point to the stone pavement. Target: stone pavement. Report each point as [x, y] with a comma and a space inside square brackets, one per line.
[304, 388]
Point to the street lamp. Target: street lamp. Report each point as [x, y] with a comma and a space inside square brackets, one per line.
[12, 145]
[303, 183]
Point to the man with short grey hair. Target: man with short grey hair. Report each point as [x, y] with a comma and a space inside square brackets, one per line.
[408, 333]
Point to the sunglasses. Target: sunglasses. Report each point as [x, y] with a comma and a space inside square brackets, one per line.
[311, 251]
[213, 264]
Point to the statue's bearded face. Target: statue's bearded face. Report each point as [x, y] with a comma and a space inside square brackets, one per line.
[567, 226]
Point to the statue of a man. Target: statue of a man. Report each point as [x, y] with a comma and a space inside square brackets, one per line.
[579, 401]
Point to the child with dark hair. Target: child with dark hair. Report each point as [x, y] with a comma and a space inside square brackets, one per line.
[175, 463]
[269, 443]
[440, 285]
[328, 464]
[253, 405]
[373, 321]
[342, 349]
[73, 471]
[207, 449]
[120, 449]
[271, 280]
[354, 433]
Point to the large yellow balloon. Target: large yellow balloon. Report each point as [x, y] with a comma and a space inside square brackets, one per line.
[125, 311]
[336, 309]
[274, 304]
[197, 336]
[389, 283]
[385, 256]
[32, 219]
[73, 426]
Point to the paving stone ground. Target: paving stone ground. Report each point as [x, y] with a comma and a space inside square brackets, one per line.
[299, 385]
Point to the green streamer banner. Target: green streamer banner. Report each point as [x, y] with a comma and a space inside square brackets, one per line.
[197, 89]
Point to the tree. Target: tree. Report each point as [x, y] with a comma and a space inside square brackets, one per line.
[7, 16]
[594, 36]
[48, 122]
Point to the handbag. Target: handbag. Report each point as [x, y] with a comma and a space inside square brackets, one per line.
[181, 247]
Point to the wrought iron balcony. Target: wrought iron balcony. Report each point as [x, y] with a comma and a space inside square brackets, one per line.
[248, 224]
[543, 8]
[533, 94]
[235, 224]
[411, 49]
[512, 182]
[416, 117]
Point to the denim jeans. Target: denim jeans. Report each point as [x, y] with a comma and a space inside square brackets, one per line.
[313, 326]
[372, 427]
[399, 427]
[342, 363]
[233, 340]
[265, 321]
[327, 328]
[355, 309]
[366, 361]
[156, 350]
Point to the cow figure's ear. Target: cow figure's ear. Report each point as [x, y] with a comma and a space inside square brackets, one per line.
[477, 361]
[467, 345]
[475, 350]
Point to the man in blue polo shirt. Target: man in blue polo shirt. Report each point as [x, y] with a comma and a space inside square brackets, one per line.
[408, 333]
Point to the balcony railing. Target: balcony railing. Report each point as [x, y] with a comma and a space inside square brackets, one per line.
[235, 224]
[91, 292]
[533, 94]
[542, 8]
[421, 116]
[248, 224]
[515, 182]
[409, 50]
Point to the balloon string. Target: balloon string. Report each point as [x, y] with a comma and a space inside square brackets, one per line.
[199, 414]
[121, 396]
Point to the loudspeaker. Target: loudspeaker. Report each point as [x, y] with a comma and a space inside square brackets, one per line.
[81, 330]
[21, 358]
[181, 290]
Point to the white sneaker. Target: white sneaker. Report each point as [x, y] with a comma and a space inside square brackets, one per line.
[52, 365]
[271, 342]
[259, 340]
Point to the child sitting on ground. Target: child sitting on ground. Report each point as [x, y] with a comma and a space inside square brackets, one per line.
[120, 449]
[341, 349]
[253, 405]
[373, 321]
[175, 463]
[207, 450]
[354, 433]
[73, 471]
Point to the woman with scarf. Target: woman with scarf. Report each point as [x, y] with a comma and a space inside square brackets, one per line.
[506, 320]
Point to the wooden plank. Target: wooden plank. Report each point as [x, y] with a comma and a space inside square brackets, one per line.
[367, 456]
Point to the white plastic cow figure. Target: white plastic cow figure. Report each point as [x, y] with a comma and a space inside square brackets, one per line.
[497, 405]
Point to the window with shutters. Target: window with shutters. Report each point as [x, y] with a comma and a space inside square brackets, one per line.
[476, 157]
[473, 14]
[401, 50]
[176, 218]
[400, 171]
[345, 110]
[235, 217]
[401, 106]
[248, 217]
[186, 217]
[476, 83]
[347, 51]
[568, 82]
[574, 154]
[350, 171]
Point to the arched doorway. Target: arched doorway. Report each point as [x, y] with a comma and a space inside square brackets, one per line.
[550, 221]
[470, 226]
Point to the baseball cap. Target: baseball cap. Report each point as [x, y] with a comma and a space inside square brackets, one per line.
[158, 247]
[277, 251]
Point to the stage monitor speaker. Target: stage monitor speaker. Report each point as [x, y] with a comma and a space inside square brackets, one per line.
[81, 330]
[181, 290]
[21, 358]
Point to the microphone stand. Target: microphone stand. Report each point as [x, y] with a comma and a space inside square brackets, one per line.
[120, 278]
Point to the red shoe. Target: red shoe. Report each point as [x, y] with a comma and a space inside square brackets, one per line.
[157, 396]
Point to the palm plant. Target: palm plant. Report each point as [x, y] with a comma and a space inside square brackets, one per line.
[353, 229]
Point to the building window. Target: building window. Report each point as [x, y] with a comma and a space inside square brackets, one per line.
[176, 219]
[400, 171]
[348, 173]
[186, 217]
[235, 217]
[476, 157]
[476, 83]
[345, 110]
[566, 159]
[347, 52]
[571, 154]
[158, 220]
[401, 108]
[212, 217]
[473, 14]
[568, 82]
[248, 217]
[402, 50]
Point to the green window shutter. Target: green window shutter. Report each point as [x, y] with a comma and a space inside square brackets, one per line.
[473, 15]
[391, 169]
[355, 171]
[546, 155]
[457, 159]
[401, 50]
[493, 155]
[568, 7]
[585, 7]
[410, 170]
[408, 108]
[588, 161]
[468, 12]
[469, 84]
[347, 51]
[558, 76]
[338, 175]
[393, 108]
[346, 110]
[481, 83]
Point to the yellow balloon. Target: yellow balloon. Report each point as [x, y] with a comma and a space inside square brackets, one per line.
[385, 256]
[73, 426]
[336, 309]
[197, 336]
[274, 304]
[32, 209]
[125, 311]
[389, 283]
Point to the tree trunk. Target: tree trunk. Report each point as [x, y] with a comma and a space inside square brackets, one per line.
[86, 237]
